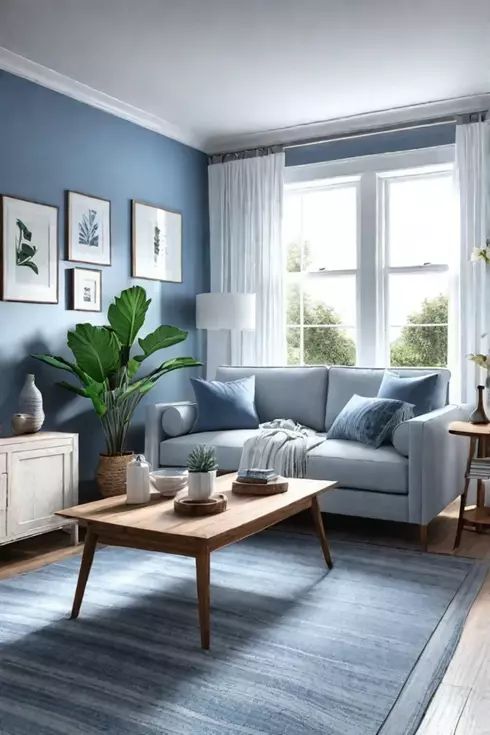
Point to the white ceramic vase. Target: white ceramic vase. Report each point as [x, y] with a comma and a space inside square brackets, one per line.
[201, 485]
[31, 405]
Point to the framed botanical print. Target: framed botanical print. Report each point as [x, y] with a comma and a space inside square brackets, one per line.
[88, 229]
[86, 291]
[156, 243]
[29, 239]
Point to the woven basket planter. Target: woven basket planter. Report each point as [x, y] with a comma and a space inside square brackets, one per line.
[111, 474]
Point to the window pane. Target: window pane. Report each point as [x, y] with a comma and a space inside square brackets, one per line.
[292, 230]
[293, 306]
[330, 300]
[329, 346]
[329, 228]
[418, 346]
[418, 299]
[293, 342]
[420, 225]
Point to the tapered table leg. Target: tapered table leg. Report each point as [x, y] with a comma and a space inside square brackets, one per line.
[203, 581]
[320, 529]
[85, 566]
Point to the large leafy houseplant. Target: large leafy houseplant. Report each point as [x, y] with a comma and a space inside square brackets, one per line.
[107, 371]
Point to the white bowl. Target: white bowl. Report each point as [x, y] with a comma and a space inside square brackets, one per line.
[169, 481]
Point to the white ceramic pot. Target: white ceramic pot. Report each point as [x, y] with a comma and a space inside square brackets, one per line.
[201, 485]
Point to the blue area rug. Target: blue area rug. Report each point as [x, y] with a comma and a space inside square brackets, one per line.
[295, 650]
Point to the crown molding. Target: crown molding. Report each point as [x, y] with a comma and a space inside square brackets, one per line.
[410, 114]
[46, 77]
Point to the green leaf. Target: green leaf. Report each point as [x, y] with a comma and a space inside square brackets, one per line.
[132, 367]
[27, 250]
[127, 314]
[26, 233]
[96, 350]
[143, 385]
[58, 362]
[94, 392]
[163, 336]
[31, 265]
[73, 388]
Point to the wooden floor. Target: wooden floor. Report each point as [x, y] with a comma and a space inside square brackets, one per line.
[461, 705]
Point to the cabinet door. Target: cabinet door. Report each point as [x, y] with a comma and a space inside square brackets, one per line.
[40, 483]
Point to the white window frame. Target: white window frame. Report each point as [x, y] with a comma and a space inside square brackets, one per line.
[299, 277]
[372, 271]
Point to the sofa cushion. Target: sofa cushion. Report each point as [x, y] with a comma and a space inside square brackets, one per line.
[343, 382]
[225, 405]
[423, 391]
[177, 420]
[359, 466]
[228, 446]
[369, 420]
[297, 393]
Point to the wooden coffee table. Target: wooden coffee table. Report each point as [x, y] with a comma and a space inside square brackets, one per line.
[156, 527]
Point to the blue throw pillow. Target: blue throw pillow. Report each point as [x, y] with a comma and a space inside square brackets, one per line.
[369, 420]
[423, 391]
[229, 405]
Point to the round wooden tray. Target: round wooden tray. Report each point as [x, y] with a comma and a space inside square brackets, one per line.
[270, 488]
[187, 507]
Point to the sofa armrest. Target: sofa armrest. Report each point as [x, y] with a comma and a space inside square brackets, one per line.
[154, 433]
[436, 462]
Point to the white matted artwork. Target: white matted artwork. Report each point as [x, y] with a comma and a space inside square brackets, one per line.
[88, 229]
[86, 289]
[29, 251]
[156, 243]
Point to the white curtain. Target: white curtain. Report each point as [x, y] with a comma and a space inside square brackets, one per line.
[472, 305]
[245, 214]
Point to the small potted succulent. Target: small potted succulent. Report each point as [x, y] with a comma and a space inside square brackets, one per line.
[202, 467]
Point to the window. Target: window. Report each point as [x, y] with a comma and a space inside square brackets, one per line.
[321, 232]
[370, 243]
[418, 232]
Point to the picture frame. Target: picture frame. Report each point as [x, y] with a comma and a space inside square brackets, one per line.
[88, 228]
[29, 250]
[156, 242]
[86, 289]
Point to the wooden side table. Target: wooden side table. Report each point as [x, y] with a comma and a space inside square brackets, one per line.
[477, 517]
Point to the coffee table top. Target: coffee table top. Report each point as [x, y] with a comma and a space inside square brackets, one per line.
[158, 517]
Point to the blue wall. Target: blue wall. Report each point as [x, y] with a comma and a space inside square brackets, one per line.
[403, 140]
[50, 143]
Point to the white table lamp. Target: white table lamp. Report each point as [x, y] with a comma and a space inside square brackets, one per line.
[223, 311]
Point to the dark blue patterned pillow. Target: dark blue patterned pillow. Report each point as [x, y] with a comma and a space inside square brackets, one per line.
[370, 420]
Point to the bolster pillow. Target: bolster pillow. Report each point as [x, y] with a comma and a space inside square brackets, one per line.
[178, 420]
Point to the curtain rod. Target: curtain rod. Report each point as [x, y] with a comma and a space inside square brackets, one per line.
[394, 128]
[465, 117]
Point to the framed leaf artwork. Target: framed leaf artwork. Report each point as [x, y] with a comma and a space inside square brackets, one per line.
[156, 243]
[29, 245]
[88, 229]
[86, 289]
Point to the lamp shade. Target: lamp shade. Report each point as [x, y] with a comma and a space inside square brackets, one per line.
[225, 311]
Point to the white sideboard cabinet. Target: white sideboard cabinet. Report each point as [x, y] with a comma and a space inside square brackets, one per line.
[38, 476]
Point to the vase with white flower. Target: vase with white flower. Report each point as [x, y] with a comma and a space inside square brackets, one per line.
[483, 361]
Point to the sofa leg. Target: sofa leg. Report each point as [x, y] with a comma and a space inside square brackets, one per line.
[423, 537]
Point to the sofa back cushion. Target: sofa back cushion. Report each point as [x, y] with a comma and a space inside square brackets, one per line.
[228, 404]
[297, 393]
[344, 382]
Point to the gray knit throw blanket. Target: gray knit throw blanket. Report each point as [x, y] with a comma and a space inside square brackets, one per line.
[281, 445]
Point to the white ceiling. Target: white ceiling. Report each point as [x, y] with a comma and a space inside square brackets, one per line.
[217, 72]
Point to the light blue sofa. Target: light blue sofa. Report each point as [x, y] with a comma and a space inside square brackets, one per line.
[410, 482]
